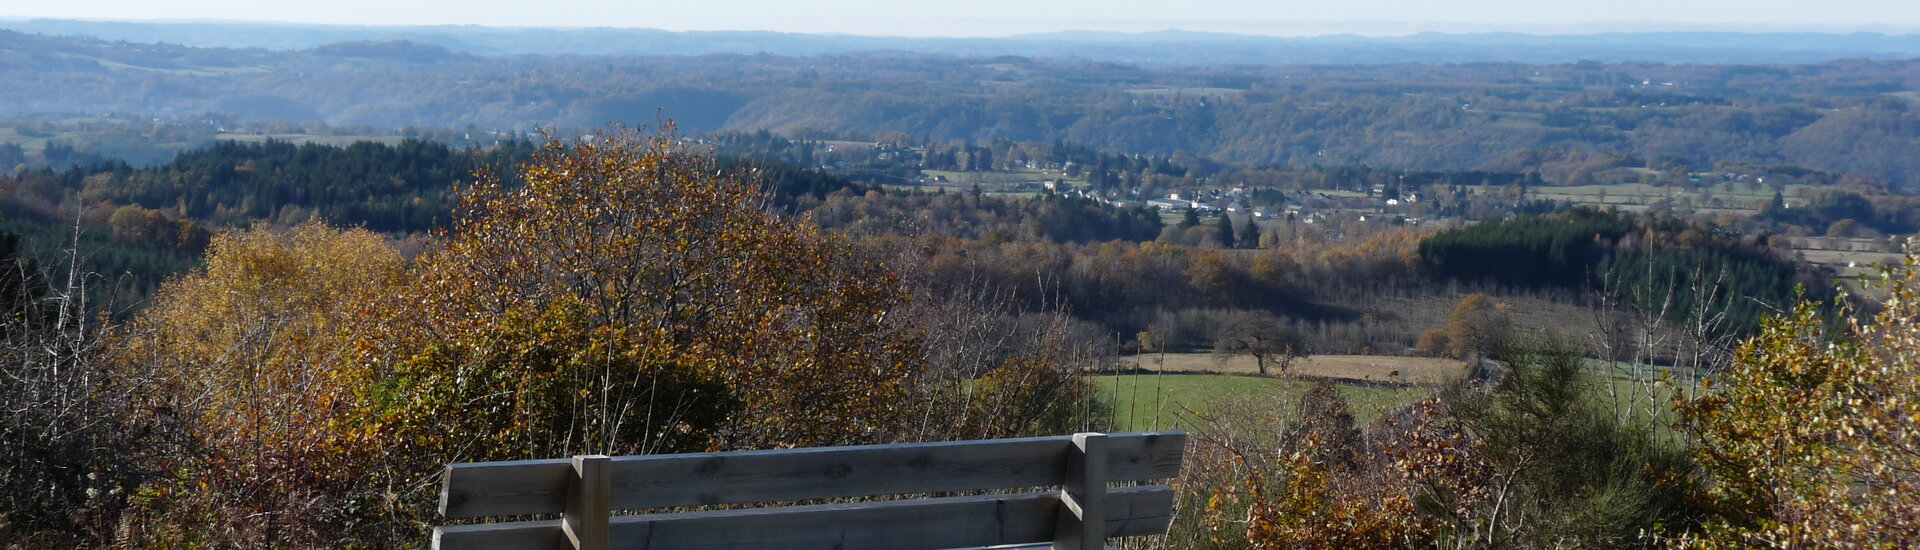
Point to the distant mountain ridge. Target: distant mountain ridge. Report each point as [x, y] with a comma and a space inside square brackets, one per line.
[1167, 47]
[1600, 119]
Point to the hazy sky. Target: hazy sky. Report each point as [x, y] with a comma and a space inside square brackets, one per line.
[1004, 17]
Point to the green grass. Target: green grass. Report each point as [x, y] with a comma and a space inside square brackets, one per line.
[1616, 385]
[1637, 196]
[999, 178]
[302, 139]
[32, 143]
[1740, 197]
[1134, 403]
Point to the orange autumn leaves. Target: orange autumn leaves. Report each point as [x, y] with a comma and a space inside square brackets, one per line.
[622, 299]
[670, 269]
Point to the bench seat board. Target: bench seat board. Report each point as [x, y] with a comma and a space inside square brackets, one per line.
[486, 489]
[912, 524]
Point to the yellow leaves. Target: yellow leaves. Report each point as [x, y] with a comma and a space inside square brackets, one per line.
[1805, 417]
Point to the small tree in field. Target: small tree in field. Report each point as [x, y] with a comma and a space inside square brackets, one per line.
[1477, 326]
[1433, 343]
[1265, 337]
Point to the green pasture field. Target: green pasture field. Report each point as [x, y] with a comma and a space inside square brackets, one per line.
[1142, 402]
[303, 139]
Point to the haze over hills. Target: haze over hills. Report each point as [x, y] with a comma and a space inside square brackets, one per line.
[1170, 47]
[1843, 116]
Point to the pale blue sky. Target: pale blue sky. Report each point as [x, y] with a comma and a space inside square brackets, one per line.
[1004, 17]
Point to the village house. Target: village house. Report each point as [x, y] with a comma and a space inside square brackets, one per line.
[1170, 204]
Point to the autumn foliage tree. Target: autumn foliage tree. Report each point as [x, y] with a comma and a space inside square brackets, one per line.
[1808, 437]
[1477, 326]
[623, 298]
[252, 352]
[629, 299]
[1533, 461]
[1306, 477]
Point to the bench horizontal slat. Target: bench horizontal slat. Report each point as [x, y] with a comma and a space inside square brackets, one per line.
[654, 481]
[913, 524]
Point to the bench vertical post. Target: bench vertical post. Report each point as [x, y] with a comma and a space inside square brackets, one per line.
[588, 502]
[1083, 514]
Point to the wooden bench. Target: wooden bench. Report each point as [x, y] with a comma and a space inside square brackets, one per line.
[585, 490]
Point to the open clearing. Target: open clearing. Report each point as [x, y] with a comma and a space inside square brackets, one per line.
[1142, 402]
[1424, 371]
[1841, 258]
[1708, 197]
[303, 139]
[997, 178]
[1852, 265]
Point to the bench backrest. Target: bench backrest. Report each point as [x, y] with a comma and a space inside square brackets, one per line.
[585, 490]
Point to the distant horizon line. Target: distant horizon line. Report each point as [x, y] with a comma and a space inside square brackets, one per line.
[1348, 28]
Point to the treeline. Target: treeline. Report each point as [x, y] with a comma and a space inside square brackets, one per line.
[403, 187]
[1321, 287]
[136, 226]
[1653, 260]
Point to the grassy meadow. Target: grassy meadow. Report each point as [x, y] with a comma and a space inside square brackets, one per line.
[1142, 402]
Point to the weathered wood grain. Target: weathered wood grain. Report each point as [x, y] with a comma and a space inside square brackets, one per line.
[539, 486]
[915, 524]
[1083, 510]
[587, 516]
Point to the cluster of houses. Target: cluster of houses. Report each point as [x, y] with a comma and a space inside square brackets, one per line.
[1237, 201]
[1212, 202]
[1727, 177]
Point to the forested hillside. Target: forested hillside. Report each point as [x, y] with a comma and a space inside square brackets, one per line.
[1842, 116]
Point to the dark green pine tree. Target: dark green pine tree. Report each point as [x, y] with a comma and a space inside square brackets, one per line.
[1250, 234]
[1192, 219]
[1226, 231]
